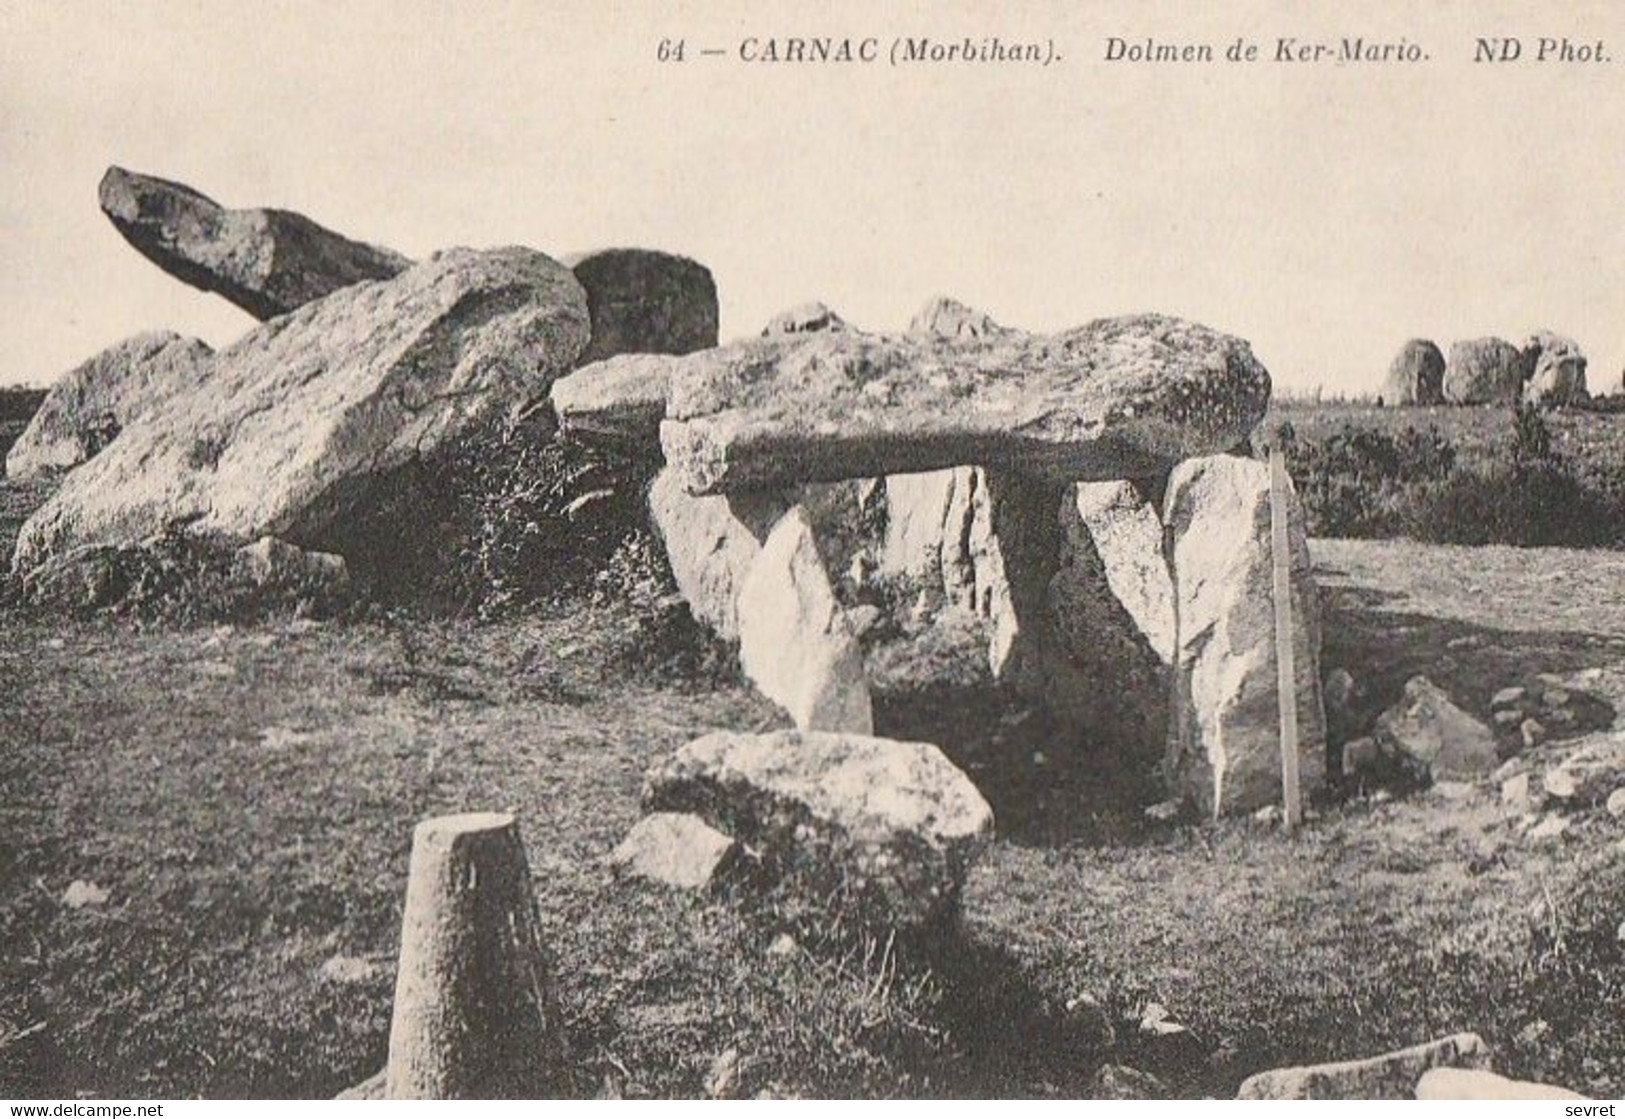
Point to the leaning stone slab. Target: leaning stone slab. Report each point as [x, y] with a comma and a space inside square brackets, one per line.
[1224, 751]
[1392, 1076]
[90, 404]
[1481, 1084]
[643, 301]
[794, 641]
[675, 849]
[1117, 398]
[1126, 531]
[887, 830]
[313, 420]
[711, 543]
[268, 262]
[621, 399]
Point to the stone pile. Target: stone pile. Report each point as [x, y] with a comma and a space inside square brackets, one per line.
[367, 367]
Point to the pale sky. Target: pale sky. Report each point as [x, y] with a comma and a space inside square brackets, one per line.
[1324, 213]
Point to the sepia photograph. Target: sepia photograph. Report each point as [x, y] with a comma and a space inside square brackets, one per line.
[908, 550]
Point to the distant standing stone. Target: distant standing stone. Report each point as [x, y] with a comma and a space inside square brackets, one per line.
[1416, 376]
[1484, 371]
[268, 262]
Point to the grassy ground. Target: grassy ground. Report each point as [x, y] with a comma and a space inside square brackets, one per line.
[245, 797]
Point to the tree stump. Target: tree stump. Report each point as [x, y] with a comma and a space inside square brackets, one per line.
[475, 1016]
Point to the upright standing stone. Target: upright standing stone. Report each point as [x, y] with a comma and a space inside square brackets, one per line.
[475, 1014]
[642, 301]
[268, 262]
[1416, 376]
[1484, 371]
[1556, 370]
[1126, 531]
[1225, 747]
[794, 641]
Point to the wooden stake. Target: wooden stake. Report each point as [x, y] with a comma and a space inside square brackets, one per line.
[1285, 668]
[474, 1016]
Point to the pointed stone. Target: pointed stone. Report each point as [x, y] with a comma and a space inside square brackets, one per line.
[268, 262]
[794, 641]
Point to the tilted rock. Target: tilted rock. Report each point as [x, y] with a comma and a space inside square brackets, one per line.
[622, 399]
[1481, 1084]
[673, 848]
[308, 422]
[1431, 734]
[711, 543]
[268, 262]
[948, 318]
[1556, 370]
[890, 829]
[1416, 376]
[1116, 398]
[93, 402]
[804, 318]
[642, 301]
[1391, 1076]
[1127, 534]
[794, 641]
[1483, 371]
[1225, 750]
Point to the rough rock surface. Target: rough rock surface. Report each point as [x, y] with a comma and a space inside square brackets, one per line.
[642, 301]
[1126, 530]
[804, 318]
[948, 318]
[711, 543]
[93, 402]
[1590, 774]
[1416, 375]
[268, 262]
[1483, 371]
[1556, 370]
[1224, 749]
[673, 848]
[1428, 732]
[891, 828]
[794, 641]
[621, 399]
[1391, 1076]
[269, 562]
[1481, 1084]
[305, 422]
[1116, 398]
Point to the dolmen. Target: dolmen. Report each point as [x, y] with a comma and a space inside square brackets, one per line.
[1069, 501]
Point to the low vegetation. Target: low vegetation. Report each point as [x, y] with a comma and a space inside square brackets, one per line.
[1515, 483]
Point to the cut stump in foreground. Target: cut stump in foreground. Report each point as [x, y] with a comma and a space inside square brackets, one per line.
[475, 1015]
